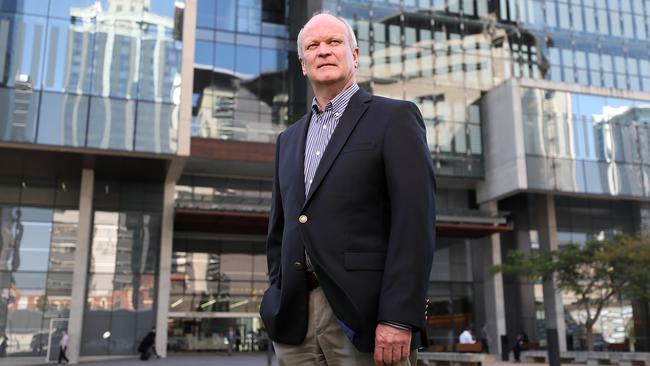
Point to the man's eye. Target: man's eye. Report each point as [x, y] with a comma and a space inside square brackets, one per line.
[311, 46]
[335, 42]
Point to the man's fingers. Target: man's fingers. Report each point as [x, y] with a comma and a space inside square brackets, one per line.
[388, 355]
[405, 353]
[397, 354]
[379, 356]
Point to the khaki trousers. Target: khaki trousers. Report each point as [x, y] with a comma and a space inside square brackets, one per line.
[325, 343]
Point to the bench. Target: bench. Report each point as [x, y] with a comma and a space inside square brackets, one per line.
[593, 358]
[453, 358]
[540, 356]
[468, 347]
[634, 359]
[618, 347]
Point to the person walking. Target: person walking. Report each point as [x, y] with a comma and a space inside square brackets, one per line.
[352, 224]
[3, 346]
[147, 345]
[231, 336]
[520, 341]
[63, 346]
[484, 338]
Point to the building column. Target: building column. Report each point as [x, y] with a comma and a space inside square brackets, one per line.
[553, 306]
[493, 288]
[80, 273]
[165, 269]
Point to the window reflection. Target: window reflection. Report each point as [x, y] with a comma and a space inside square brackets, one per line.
[229, 278]
[609, 134]
[95, 47]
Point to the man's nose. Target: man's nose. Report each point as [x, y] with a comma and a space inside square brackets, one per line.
[324, 49]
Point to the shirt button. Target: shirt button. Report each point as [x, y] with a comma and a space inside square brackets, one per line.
[324, 127]
[303, 219]
[317, 153]
[336, 114]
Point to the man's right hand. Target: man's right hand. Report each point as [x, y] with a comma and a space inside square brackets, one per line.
[391, 344]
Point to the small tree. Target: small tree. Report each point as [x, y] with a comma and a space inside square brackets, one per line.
[596, 273]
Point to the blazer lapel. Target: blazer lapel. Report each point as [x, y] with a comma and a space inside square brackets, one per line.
[353, 112]
[298, 159]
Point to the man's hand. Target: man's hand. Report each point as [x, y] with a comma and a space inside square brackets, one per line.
[391, 344]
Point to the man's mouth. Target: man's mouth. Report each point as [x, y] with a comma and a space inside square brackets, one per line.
[323, 65]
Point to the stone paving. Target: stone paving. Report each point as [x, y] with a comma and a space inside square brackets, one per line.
[199, 359]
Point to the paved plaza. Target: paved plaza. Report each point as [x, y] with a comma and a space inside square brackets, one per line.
[199, 359]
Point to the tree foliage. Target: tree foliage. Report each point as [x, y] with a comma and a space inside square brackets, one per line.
[596, 272]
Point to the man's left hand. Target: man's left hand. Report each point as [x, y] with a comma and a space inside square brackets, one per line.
[391, 344]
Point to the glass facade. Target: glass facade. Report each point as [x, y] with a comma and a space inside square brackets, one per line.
[217, 284]
[123, 267]
[218, 275]
[591, 42]
[247, 81]
[85, 73]
[451, 304]
[38, 232]
[586, 144]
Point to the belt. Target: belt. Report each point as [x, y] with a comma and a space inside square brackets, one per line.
[312, 280]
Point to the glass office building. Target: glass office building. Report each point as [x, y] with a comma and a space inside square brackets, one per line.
[137, 145]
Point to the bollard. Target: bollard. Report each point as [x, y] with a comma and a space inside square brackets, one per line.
[505, 351]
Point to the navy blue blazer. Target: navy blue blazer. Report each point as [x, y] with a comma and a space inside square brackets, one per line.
[368, 223]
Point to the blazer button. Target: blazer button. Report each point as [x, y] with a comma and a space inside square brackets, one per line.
[302, 219]
[298, 266]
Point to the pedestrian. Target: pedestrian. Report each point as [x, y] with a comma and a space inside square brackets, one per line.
[231, 336]
[63, 346]
[352, 223]
[520, 341]
[3, 346]
[484, 338]
[147, 345]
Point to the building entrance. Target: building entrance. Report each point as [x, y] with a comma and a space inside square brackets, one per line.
[221, 332]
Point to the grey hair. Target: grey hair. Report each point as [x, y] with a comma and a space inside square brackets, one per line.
[351, 36]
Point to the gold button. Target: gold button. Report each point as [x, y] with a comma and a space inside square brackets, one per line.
[302, 219]
[298, 266]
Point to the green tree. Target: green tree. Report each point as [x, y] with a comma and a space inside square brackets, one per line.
[597, 272]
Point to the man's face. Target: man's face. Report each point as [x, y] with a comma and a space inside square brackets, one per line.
[327, 57]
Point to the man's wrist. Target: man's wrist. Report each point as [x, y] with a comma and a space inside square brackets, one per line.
[397, 325]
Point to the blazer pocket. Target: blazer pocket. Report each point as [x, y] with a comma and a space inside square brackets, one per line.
[358, 147]
[364, 261]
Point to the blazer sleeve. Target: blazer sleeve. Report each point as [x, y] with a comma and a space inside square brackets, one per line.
[276, 225]
[411, 187]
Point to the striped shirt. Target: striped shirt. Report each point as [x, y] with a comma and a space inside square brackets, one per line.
[321, 127]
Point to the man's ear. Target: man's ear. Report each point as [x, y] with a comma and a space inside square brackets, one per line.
[302, 66]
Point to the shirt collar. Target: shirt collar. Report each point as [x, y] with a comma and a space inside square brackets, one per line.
[338, 104]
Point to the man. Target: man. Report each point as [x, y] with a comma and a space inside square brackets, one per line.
[352, 224]
[63, 346]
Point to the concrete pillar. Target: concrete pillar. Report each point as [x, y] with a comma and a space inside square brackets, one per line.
[80, 273]
[493, 288]
[165, 269]
[553, 306]
[187, 77]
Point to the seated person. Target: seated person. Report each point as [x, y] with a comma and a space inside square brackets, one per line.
[466, 337]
